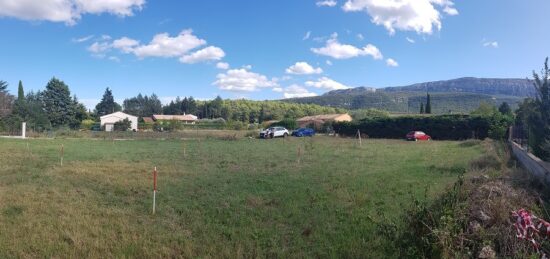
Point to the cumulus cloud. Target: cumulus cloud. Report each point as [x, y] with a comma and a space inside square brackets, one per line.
[391, 62]
[328, 3]
[410, 40]
[222, 65]
[163, 45]
[206, 54]
[242, 80]
[337, 50]
[303, 68]
[183, 46]
[99, 47]
[296, 91]
[326, 83]
[67, 11]
[125, 44]
[421, 16]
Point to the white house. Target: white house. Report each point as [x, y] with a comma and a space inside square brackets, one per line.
[108, 121]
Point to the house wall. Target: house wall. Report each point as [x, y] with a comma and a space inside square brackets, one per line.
[115, 118]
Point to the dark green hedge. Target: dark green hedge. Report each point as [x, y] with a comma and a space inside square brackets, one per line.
[445, 127]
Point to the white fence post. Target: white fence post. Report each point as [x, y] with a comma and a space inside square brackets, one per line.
[24, 130]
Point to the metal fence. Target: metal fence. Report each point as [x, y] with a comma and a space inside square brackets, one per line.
[520, 134]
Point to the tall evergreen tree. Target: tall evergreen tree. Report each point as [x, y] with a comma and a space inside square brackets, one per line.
[20, 92]
[3, 86]
[421, 108]
[428, 109]
[20, 107]
[58, 103]
[107, 104]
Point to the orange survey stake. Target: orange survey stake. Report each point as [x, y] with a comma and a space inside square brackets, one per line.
[155, 179]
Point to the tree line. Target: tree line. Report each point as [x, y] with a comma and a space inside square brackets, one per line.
[55, 108]
[533, 115]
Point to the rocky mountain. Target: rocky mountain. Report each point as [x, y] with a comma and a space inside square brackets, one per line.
[457, 95]
[489, 86]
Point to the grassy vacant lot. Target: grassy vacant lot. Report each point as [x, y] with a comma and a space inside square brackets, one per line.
[217, 198]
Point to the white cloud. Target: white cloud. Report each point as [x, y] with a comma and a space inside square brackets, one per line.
[163, 45]
[329, 62]
[113, 58]
[99, 47]
[67, 11]
[307, 36]
[303, 68]
[242, 80]
[492, 44]
[296, 91]
[410, 40]
[83, 39]
[326, 83]
[278, 89]
[360, 36]
[329, 3]
[450, 10]
[421, 16]
[206, 54]
[125, 44]
[391, 62]
[336, 50]
[222, 65]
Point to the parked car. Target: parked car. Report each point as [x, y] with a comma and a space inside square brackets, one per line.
[418, 135]
[274, 132]
[303, 132]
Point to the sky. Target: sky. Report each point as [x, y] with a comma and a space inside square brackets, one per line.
[268, 49]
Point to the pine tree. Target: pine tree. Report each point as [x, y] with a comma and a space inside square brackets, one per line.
[421, 108]
[3, 86]
[107, 104]
[58, 103]
[20, 92]
[428, 104]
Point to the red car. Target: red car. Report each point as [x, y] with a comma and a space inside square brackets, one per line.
[418, 135]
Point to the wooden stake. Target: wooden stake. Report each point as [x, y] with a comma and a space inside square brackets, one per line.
[359, 135]
[299, 154]
[62, 154]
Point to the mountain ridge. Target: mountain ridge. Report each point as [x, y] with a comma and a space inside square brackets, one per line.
[456, 95]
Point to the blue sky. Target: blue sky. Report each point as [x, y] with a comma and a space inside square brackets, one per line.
[268, 49]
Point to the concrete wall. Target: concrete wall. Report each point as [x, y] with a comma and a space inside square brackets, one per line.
[533, 164]
[111, 119]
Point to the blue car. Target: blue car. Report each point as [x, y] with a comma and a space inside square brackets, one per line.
[303, 132]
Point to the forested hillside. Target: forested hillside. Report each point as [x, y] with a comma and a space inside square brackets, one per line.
[455, 96]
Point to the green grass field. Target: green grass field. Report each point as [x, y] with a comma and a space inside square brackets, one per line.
[217, 198]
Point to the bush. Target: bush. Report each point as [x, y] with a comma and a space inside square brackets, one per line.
[123, 125]
[444, 127]
[87, 124]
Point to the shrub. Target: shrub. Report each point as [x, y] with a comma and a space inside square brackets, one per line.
[444, 127]
[123, 125]
[87, 124]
